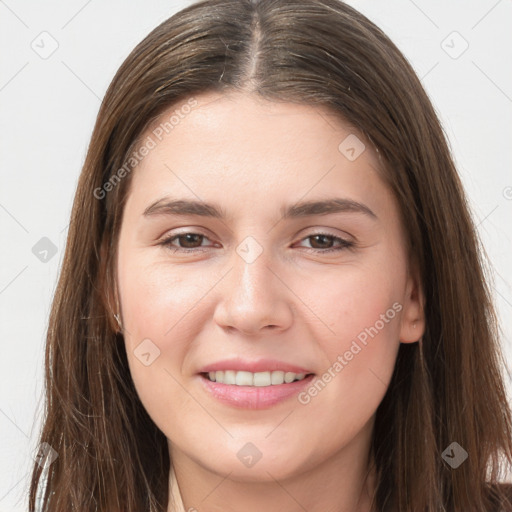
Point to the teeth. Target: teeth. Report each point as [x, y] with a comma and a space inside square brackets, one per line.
[244, 379]
[277, 377]
[289, 377]
[258, 379]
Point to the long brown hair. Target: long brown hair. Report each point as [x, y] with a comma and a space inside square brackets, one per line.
[447, 388]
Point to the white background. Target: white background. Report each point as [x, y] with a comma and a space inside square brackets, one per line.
[48, 107]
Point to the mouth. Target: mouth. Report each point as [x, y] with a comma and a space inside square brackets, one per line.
[258, 390]
[254, 379]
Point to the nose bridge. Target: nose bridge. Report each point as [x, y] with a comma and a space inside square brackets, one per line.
[254, 297]
[252, 275]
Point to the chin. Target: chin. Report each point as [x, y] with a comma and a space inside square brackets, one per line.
[255, 461]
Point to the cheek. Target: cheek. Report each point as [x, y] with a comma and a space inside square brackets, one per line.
[351, 302]
[155, 300]
[154, 306]
[359, 337]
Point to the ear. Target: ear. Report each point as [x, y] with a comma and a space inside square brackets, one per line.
[412, 325]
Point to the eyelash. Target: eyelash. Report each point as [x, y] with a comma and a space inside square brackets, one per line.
[345, 244]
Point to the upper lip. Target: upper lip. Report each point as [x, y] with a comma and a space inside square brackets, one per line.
[260, 365]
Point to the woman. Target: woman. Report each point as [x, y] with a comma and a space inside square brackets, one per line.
[200, 356]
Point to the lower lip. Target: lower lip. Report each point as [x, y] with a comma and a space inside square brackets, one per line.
[254, 397]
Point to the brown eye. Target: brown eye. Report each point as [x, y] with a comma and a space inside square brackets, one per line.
[323, 242]
[188, 242]
[192, 242]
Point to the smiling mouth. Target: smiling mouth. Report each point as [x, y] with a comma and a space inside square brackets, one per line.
[257, 379]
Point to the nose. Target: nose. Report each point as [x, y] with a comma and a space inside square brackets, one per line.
[254, 298]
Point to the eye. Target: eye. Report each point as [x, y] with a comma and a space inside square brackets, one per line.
[189, 239]
[192, 242]
[321, 240]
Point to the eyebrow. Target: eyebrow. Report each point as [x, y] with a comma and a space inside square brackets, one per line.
[168, 206]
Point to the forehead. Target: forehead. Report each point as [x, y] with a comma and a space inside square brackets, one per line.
[230, 118]
[242, 146]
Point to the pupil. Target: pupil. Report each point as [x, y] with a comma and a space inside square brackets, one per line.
[322, 237]
[189, 237]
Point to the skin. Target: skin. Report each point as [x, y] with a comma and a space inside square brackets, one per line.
[292, 304]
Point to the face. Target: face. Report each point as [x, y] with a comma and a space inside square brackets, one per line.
[260, 249]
